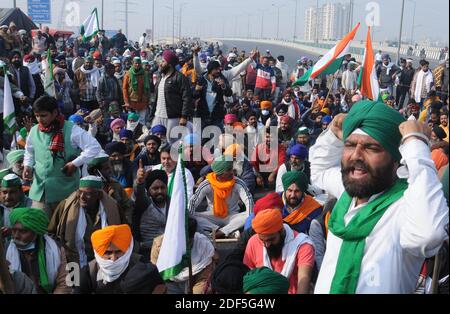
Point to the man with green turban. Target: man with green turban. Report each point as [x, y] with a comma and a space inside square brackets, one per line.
[299, 208]
[36, 254]
[15, 161]
[223, 191]
[11, 196]
[265, 281]
[391, 211]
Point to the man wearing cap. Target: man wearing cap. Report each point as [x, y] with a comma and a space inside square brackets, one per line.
[122, 168]
[22, 75]
[116, 269]
[138, 129]
[78, 216]
[298, 155]
[349, 77]
[85, 84]
[152, 206]
[150, 154]
[109, 88]
[133, 149]
[390, 216]
[223, 192]
[136, 88]
[386, 73]
[35, 253]
[11, 196]
[276, 246]
[101, 167]
[15, 161]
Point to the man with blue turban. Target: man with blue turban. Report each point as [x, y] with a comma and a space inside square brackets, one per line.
[391, 211]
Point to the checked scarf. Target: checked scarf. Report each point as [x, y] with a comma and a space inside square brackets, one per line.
[57, 141]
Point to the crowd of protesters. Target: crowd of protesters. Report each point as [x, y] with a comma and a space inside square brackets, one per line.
[87, 176]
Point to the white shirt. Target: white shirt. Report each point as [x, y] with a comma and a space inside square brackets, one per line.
[161, 110]
[79, 138]
[411, 229]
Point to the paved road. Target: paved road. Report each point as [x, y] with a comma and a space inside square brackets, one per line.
[291, 54]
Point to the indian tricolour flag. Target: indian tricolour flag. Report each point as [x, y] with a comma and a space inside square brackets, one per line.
[49, 82]
[9, 114]
[90, 26]
[331, 62]
[368, 75]
[175, 253]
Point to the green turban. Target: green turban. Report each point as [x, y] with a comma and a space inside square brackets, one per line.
[133, 116]
[296, 177]
[15, 156]
[444, 181]
[33, 219]
[265, 281]
[11, 181]
[222, 165]
[3, 173]
[302, 131]
[91, 182]
[379, 121]
[99, 160]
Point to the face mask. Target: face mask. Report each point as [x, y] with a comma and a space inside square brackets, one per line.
[132, 125]
[24, 246]
[265, 112]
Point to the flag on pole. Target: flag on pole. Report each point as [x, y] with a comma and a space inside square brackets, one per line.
[49, 83]
[9, 114]
[368, 75]
[331, 62]
[175, 253]
[90, 26]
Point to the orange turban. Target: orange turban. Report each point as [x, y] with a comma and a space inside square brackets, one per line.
[238, 125]
[268, 221]
[440, 158]
[119, 235]
[266, 104]
[233, 150]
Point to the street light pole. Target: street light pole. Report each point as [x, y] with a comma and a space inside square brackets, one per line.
[400, 33]
[126, 18]
[173, 22]
[15, 4]
[153, 22]
[262, 24]
[317, 21]
[103, 10]
[413, 21]
[295, 20]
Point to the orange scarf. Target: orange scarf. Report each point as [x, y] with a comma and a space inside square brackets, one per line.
[306, 208]
[222, 190]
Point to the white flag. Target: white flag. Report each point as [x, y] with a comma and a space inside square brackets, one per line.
[9, 114]
[90, 26]
[173, 256]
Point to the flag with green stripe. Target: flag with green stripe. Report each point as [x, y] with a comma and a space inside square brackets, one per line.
[175, 252]
[9, 114]
[90, 26]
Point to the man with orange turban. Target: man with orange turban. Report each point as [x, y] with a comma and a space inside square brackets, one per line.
[281, 249]
[223, 191]
[116, 269]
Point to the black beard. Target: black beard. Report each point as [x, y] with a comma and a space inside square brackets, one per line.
[275, 250]
[379, 179]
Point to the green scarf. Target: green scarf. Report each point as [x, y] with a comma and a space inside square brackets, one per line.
[354, 235]
[170, 186]
[134, 81]
[43, 277]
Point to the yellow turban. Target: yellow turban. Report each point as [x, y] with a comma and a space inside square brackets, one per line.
[119, 235]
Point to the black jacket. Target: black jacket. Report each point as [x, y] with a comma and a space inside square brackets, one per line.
[178, 96]
[218, 112]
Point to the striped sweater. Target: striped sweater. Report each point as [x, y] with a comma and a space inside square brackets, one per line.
[265, 77]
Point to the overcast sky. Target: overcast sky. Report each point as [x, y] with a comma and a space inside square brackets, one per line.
[204, 18]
